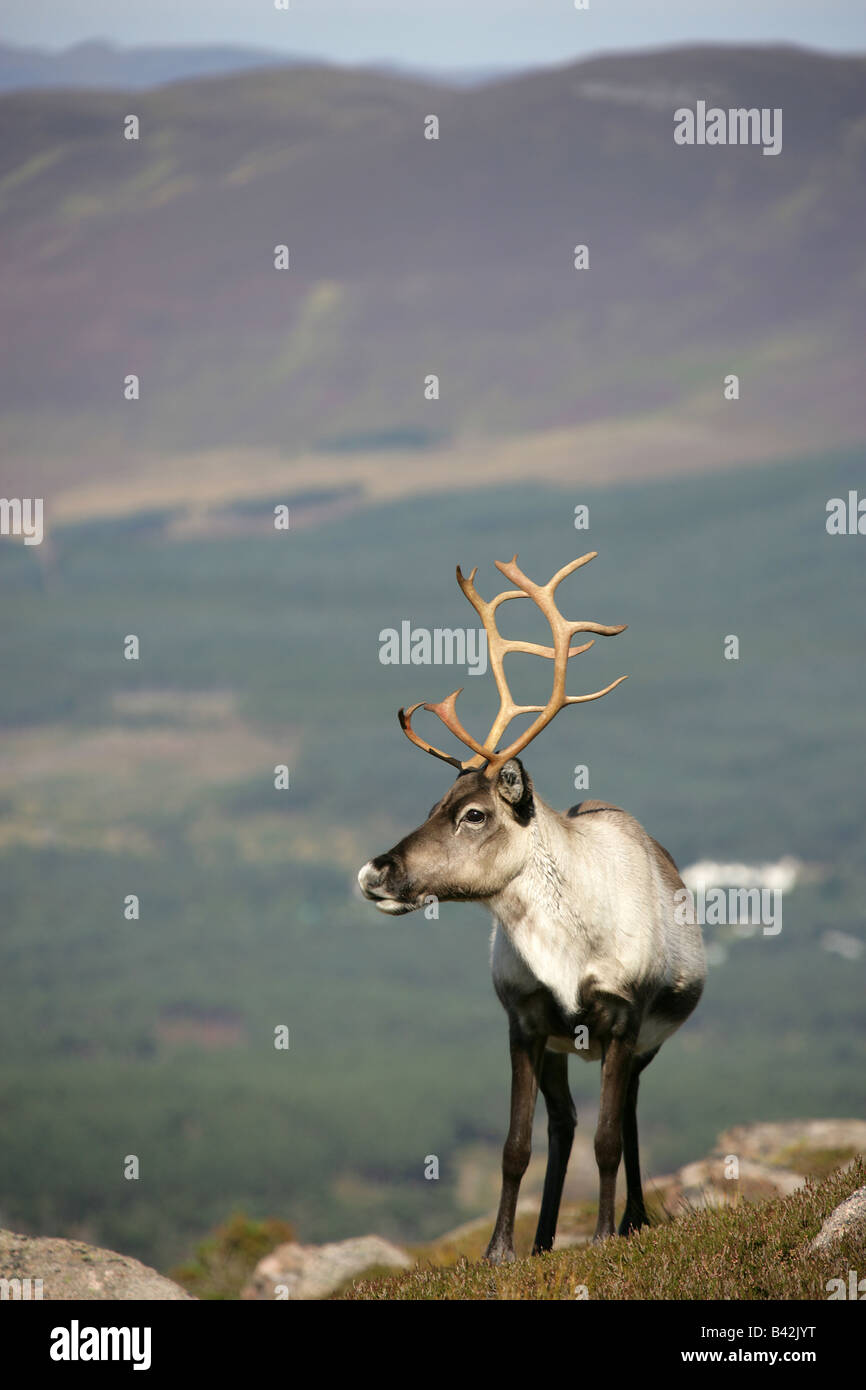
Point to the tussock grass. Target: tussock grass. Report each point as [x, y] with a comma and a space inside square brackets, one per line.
[749, 1252]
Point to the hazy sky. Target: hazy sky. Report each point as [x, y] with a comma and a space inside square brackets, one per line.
[440, 33]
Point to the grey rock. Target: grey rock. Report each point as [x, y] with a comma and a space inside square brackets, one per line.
[69, 1269]
[295, 1271]
[768, 1141]
[849, 1216]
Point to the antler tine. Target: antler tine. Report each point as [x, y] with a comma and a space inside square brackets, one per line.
[446, 710]
[405, 718]
[566, 570]
[597, 694]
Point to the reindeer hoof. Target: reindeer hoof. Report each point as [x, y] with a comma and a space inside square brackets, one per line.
[499, 1255]
[630, 1224]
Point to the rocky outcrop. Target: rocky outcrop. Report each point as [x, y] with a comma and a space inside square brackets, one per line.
[39, 1268]
[710, 1182]
[797, 1143]
[314, 1271]
[768, 1159]
[849, 1218]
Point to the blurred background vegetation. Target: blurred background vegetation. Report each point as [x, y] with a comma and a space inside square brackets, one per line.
[155, 777]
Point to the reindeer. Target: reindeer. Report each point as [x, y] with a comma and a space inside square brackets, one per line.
[587, 951]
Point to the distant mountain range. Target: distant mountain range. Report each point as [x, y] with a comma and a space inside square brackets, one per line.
[411, 257]
[97, 64]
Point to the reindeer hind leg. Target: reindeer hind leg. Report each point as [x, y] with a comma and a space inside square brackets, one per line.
[561, 1122]
[635, 1214]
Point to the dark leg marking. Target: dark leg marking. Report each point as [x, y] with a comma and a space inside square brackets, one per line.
[635, 1212]
[561, 1122]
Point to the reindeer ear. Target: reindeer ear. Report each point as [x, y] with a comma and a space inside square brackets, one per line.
[513, 784]
[510, 782]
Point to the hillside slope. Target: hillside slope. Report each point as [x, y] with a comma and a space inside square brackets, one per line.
[733, 1252]
[410, 256]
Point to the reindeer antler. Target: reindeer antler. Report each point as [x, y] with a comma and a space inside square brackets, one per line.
[498, 648]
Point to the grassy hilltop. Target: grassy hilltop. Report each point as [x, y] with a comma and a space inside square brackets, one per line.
[732, 1252]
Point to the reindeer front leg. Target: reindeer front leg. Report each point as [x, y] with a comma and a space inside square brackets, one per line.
[527, 1055]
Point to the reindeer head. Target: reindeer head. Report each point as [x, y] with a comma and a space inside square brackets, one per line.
[476, 840]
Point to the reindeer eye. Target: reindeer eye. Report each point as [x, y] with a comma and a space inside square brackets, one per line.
[475, 817]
